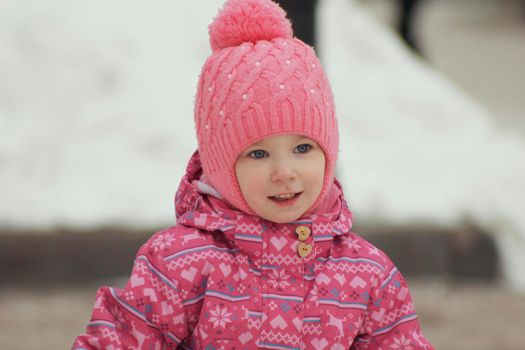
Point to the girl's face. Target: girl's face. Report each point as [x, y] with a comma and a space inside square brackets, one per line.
[281, 176]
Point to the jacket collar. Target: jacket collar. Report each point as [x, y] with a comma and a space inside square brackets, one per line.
[198, 205]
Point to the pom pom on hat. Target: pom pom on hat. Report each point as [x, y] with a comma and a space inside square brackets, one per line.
[242, 21]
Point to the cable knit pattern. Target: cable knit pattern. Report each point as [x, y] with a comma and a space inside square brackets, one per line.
[223, 279]
[268, 84]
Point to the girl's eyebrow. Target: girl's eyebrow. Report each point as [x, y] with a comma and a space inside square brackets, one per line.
[257, 144]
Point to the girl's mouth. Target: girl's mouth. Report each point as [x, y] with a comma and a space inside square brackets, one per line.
[285, 199]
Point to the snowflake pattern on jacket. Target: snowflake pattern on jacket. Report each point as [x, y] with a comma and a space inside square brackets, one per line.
[221, 279]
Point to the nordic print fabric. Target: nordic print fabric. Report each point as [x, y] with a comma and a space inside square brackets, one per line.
[222, 279]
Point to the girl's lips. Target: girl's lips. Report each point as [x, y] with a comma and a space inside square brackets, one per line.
[286, 202]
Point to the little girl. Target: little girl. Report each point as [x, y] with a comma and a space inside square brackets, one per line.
[262, 255]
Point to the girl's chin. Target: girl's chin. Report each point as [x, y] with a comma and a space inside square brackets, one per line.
[283, 216]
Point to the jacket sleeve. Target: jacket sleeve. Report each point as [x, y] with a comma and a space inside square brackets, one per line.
[146, 314]
[391, 321]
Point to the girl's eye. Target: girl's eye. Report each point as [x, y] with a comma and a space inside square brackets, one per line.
[304, 148]
[257, 154]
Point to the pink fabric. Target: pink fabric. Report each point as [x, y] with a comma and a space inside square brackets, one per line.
[331, 202]
[258, 82]
[223, 279]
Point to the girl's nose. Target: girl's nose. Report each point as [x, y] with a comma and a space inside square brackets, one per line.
[283, 170]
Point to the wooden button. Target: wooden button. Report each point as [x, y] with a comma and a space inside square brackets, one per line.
[304, 249]
[303, 232]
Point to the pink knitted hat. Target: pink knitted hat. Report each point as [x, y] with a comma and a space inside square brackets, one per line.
[258, 82]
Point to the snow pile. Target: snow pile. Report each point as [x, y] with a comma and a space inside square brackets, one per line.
[415, 148]
[96, 110]
[96, 122]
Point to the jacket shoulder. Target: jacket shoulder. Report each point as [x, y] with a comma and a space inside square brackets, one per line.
[175, 239]
[355, 248]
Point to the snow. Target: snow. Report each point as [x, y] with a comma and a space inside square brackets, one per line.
[415, 148]
[96, 110]
[96, 122]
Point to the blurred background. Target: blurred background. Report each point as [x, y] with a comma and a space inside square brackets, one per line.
[96, 127]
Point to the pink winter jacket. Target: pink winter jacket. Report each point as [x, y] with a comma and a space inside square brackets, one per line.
[221, 279]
